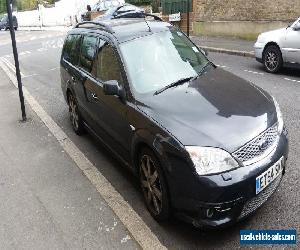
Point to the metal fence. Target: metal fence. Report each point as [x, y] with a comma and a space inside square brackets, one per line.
[175, 6]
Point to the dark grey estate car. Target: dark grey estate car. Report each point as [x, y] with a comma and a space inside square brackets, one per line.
[4, 23]
[205, 144]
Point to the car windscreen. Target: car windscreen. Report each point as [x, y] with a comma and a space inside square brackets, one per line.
[160, 59]
[3, 19]
[110, 11]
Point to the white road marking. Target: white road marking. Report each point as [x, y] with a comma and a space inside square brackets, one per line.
[131, 220]
[291, 80]
[222, 66]
[54, 69]
[41, 49]
[27, 76]
[11, 66]
[253, 72]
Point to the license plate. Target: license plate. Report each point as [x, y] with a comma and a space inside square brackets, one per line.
[263, 180]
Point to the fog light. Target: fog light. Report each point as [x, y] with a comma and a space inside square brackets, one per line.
[210, 212]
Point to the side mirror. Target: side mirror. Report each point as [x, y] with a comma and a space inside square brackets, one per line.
[112, 88]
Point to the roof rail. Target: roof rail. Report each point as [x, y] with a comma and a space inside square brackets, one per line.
[138, 15]
[157, 18]
[101, 25]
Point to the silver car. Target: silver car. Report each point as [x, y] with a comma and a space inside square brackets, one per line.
[279, 48]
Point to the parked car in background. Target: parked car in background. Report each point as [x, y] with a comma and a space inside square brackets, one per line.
[279, 48]
[4, 23]
[206, 145]
[100, 8]
[117, 12]
[105, 5]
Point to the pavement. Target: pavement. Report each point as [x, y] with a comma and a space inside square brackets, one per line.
[46, 202]
[229, 46]
[39, 59]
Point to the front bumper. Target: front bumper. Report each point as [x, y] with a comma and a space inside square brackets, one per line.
[258, 51]
[223, 199]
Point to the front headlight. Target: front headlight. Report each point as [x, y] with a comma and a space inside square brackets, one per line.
[208, 160]
[279, 116]
[261, 38]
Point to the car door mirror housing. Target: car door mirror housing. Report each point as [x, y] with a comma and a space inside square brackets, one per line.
[112, 88]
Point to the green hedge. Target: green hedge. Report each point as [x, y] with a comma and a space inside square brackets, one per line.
[139, 2]
[175, 6]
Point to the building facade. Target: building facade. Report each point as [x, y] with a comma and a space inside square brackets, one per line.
[242, 18]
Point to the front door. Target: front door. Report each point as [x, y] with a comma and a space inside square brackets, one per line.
[110, 111]
[291, 44]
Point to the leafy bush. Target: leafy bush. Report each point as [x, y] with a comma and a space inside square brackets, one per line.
[139, 2]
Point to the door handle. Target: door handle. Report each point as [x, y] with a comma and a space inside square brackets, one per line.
[94, 96]
[73, 79]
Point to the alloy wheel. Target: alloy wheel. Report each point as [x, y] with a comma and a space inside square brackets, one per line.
[271, 60]
[151, 184]
[74, 117]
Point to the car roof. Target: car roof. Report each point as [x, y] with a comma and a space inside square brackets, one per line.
[123, 29]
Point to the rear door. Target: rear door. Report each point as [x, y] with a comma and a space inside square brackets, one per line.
[88, 50]
[69, 61]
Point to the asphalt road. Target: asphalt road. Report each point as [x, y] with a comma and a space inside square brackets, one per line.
[39, 57]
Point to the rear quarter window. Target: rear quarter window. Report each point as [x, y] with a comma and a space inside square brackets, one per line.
[88, 52]
[70, 50]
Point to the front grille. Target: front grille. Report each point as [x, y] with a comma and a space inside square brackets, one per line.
[258, 146]
[254, 203]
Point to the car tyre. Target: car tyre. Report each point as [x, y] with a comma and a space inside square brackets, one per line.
[272, 59]
[153, 185]
[75, 117]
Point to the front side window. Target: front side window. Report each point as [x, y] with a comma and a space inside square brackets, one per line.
[108, 65]
[160, 59]
[70, 51]
[88, 52]
[297, 25]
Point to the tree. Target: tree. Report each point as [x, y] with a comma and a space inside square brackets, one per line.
[24, 4]
[139, 2]
[2, 7]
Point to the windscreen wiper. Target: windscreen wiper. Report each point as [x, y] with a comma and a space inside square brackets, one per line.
[174, 84]
[202, 70]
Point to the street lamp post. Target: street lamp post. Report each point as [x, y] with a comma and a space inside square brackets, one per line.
[188, 18]
[15, 52]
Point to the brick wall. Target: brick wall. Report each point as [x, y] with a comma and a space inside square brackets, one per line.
[246, 10]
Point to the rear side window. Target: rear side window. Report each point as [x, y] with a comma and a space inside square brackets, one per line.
[70, 51]
[88, 52]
